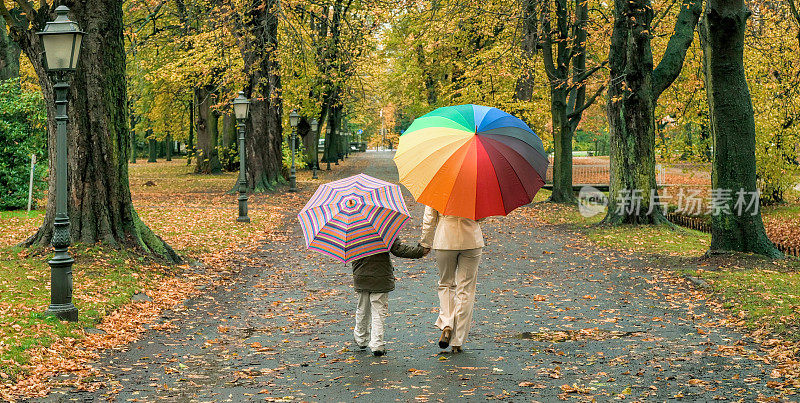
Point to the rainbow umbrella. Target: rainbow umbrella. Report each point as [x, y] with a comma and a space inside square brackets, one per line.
[353, 217]
[471, 161]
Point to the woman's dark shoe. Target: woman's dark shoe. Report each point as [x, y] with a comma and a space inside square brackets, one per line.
[444, 341]
[457, 349]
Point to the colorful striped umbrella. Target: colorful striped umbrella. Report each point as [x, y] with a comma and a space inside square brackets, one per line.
[353, 217]
[471, 161]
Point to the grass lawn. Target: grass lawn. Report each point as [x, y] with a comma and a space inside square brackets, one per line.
[762, 297]
[104, 280]
[659, 240]
[195, 214]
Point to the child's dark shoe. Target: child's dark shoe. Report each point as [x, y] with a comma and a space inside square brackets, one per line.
[362, 348]
[379, 353]
[457, 349]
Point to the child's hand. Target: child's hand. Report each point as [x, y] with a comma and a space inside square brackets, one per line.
[425, 251]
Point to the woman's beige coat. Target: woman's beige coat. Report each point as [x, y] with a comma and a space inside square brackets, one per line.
[446, 232]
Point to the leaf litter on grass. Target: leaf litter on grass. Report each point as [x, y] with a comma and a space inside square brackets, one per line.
[197, 216]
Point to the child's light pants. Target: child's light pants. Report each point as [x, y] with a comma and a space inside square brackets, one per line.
[370, 316]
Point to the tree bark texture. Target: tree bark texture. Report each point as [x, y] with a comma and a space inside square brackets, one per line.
[733, 129]
[332, 140]
[152, 150]
[99, 198]
[310, 142]
[633, 90]
[190, 151]
[562, 142]
[207, 132]
[257, 37]
[229, 136]
[170, 146]
[523, 90]
[630, 108]
[9, 52]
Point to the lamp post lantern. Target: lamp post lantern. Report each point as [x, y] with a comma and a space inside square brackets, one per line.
[294, 119]
[315, 160]
[241, 108]
[61, 40]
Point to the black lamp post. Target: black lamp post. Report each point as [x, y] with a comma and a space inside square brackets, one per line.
[241, 108]
[327, 153]
[61, 39]
[347, 144]
[294, 119]
[338, 146]
[315, 161]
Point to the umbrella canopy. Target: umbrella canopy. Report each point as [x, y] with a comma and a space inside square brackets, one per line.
[353, 217]
[471, 161]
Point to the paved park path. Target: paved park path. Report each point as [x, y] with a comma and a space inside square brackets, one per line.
[555, 318]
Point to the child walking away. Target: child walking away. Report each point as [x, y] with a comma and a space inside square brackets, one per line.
[373, 279]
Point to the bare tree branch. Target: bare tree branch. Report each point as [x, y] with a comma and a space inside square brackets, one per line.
[575, 116]
[546, 43]
[672, 62]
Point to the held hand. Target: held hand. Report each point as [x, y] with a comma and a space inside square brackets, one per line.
[425, 251]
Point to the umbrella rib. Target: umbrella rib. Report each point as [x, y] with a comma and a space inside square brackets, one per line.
[491, 164]
[465, 140]
[462, 124]
[513, 168]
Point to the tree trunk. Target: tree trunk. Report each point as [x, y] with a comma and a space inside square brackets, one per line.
[152, 149]
[562, 140]
[631, 119]
[734, 133]
[523, 90]
[332, 140]
[309, 140]
[100, 207]
[264, 145]
[633, 89]
[257, 36]
[229, 136]
[207, 133]
[567, 86]
[190, 152]
[9, 53]
[133, 138]
[170, 145]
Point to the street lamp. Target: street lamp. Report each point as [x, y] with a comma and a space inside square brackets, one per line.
[326, 154]
[294, 119]
[241, 108]
[315, 160]
[339, 145]
[347, 144]
[61, 39]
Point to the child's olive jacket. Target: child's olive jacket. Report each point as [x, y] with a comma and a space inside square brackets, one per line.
[374, 273]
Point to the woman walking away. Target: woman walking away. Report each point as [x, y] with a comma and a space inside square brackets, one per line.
[373, 279]
[458, 243]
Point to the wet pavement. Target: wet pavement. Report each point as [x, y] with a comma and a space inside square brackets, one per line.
[555, 318]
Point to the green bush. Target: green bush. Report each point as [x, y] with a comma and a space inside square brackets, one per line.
[23, 131]
[228, 158]
[299, 155]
